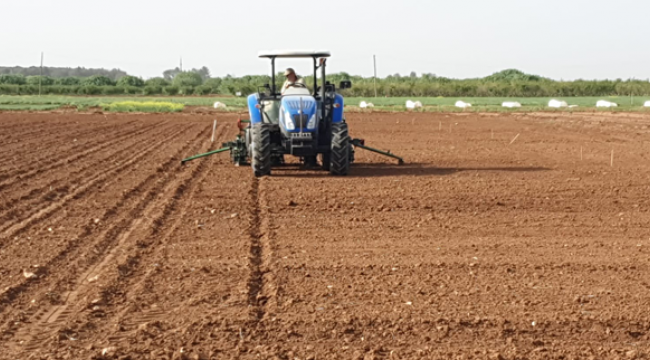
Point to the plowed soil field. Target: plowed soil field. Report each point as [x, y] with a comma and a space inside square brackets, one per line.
[503, 236]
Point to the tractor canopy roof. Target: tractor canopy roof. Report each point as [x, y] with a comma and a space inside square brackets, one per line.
[294, 54]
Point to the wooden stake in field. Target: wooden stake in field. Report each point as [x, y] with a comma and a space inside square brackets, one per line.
[513, 140]
[214, 128]
[581, 153]
[440, 126]
[611, 161]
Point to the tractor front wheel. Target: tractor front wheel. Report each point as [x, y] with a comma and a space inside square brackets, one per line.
[340, 151]
[261, 149]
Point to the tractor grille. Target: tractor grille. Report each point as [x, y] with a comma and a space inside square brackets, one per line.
[307, 105]
[300, 121]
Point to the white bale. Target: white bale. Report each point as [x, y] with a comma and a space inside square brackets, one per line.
[410, 105]
[363, 104]
[238, 93]
[647, 104]
[370, 105]
[418, 104]
[557, 104]
[511, 104]
[605, 104]
[573, 106]
[463, 105]
[218, 105]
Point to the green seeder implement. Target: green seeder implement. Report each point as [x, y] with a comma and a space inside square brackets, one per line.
[239, 154]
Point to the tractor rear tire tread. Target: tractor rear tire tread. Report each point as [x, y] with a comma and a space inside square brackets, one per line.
[261, 150]
[340, 150]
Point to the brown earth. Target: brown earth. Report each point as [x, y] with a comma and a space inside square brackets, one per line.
[477, 247]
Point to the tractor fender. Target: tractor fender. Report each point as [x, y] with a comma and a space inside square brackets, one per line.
[337, 114]
[255, 113]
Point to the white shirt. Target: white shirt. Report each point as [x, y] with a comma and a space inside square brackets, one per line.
[288, 84]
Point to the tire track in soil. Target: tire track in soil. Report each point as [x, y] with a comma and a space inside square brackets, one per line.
[261, 283]
[38, 146]
[50, 321]
[146, 202]
[18, 228]
[24, 174]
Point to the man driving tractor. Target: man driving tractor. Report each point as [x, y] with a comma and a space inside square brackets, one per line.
[293, 80]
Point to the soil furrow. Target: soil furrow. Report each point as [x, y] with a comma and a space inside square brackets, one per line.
[142, 199]
[166, 223]
[122, 245]
[24, 149]
[17, 228]
[59, 187]
[24, 161]
[25, 174]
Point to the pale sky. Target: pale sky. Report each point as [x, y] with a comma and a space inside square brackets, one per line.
[567, 39]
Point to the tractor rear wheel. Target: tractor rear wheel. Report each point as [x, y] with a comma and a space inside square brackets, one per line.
[340, 151]
[261, 149]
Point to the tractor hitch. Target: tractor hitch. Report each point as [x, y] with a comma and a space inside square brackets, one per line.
[237, 148]
[361, 143]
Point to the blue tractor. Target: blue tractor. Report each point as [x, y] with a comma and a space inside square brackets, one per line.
[303, 122]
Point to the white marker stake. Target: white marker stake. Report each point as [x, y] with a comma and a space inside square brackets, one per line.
[513, 140]
[214, 128]
[611, 162]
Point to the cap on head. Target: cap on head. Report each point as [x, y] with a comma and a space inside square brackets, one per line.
[289, 71]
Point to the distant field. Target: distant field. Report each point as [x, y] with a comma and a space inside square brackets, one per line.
[492, 104]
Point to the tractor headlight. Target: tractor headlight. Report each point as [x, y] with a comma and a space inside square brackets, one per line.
[288, 123]
[312, 122]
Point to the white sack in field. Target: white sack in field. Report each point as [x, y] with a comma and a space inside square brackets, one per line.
[557, 104]
[511, 104]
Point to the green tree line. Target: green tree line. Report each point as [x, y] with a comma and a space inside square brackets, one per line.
[60, 72]
[507, 83]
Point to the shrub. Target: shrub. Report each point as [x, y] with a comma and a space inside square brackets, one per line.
[202, 90]
[152, 90]
[89, 90]
[157, 81]
[112, 90]
[70, 80]
[170, 90]
[44, 80]
[97, 80]
[11, 79]
[8, 89]
[188, 79]
[213, 84]
[186, 90]
[130, 81]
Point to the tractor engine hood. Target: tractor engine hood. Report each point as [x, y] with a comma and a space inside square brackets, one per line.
[299, 113]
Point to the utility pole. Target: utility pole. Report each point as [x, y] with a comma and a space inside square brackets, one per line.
[374, 80]
[40, 78]
[181, 64]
